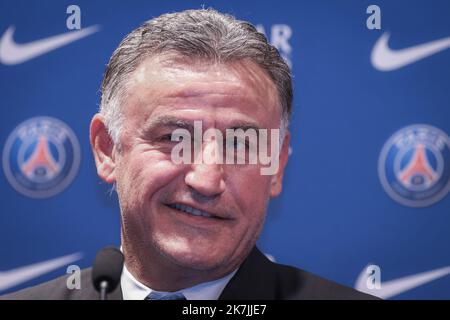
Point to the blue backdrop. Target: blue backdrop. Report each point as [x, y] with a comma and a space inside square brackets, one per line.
[367, 180]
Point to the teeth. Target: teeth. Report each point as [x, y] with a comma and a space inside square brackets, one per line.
[190, 210]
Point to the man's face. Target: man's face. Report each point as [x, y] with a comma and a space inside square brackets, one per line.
[151, 186]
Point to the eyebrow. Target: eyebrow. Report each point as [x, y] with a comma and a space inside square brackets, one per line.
[167, 121]
[245, 126]
[174, 122]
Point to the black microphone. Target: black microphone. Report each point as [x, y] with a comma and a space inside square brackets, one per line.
[107, 270]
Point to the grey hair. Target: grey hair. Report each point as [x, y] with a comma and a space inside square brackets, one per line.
[205, 34]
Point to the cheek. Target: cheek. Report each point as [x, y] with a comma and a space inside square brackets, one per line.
[251, 189]
[251, 192]
[142, 175]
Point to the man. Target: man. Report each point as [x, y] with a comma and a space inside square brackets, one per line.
[188, 230]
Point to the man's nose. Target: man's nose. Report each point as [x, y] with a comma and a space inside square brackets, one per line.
[206, 176]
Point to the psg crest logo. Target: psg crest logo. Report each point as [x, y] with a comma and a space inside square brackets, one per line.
[41, 157]
[414, 165]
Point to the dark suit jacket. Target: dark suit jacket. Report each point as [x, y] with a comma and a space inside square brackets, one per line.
[257, 278]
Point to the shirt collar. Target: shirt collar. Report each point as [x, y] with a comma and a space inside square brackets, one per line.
[132, 289]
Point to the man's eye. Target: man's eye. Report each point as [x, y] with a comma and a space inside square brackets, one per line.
[238, 144]
[171, 137]
[165, 137]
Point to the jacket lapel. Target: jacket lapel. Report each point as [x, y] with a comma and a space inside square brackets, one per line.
[255, 279]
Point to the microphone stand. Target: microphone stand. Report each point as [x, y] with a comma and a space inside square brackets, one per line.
[103, 290]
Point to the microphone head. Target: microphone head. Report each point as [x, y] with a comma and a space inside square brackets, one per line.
[108, 267]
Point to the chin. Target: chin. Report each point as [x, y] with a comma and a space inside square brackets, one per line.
[201, 263]
[192, 257]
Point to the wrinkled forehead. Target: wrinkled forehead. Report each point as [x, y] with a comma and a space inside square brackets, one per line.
[183, 73]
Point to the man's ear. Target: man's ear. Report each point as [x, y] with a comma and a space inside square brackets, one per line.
[277, 179]
[103, 149]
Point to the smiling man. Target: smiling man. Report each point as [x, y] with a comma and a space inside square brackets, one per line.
[174, 248]
[188, 230]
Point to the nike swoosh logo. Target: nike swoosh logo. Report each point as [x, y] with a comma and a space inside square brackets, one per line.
[397, 286]
[14, 277]
[385, 59]
[12, 53]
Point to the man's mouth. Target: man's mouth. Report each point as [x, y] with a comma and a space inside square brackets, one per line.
[192, 211]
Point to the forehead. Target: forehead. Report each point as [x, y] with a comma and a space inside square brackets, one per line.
[201, 90]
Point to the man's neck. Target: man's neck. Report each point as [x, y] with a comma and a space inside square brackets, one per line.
[161, 274]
